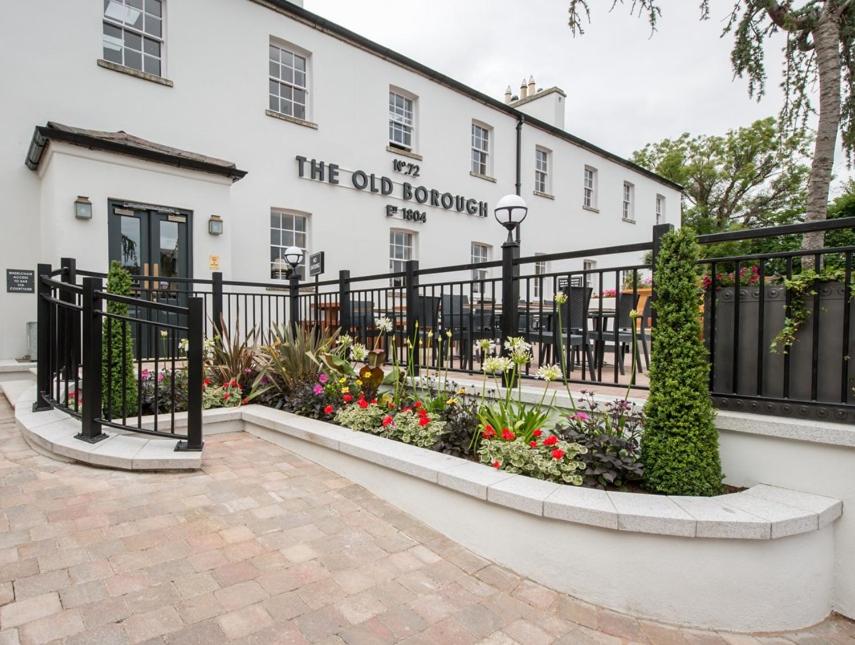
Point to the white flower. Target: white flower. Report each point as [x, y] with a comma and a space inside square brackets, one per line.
[184, 345]
[549, 372]
[344, 340]
[560, 298]
[383, 324]
[496, 365]
[358, 352]
[484, 344]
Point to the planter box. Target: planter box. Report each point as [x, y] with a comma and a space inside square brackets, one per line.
[754, 346]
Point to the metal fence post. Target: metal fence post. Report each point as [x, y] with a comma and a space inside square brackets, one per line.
[43, 376]
[68, 341]
[294, 300]
[344, 300]
[90, 425]
[411, 284]
[659, 231]
[217, 302]
[195, 331]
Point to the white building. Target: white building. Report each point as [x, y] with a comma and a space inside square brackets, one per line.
[413, 160]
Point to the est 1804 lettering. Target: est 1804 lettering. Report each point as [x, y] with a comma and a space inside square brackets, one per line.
[407, 214]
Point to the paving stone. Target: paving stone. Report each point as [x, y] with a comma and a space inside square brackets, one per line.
[240, 595]
[111, 634]
[240, 623]
[151, 624]
[29, 609]
[51, 628]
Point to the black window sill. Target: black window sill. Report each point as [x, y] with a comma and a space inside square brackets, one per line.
[291, 119]
[130, 71]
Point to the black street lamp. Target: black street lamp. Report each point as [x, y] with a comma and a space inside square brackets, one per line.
[510, 212]
[294, 257]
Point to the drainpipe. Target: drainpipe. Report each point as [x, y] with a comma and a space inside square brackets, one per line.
[520, 121]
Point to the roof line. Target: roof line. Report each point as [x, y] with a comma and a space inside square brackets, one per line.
[334, 29]
[43, 134]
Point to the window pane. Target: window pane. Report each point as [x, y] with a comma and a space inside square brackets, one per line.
[274, 53]
[300, 111]
[134, 18]
[300, 63]
[274, 69]
[133, 59]
[152, 65]
[152, 47]
[135, 3]
[287, 74]
[153, 7]
[300, 79]
[275, 236]
[133, 41]
[287, 58]
[153, 26]
[274, 103]
[285, 91]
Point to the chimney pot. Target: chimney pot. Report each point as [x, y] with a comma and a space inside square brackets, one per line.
[531, 86]
[523, 89]
[508, 94]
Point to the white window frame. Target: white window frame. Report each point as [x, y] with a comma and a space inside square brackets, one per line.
[402, 118]
[406, 251]
[541, 267]
[480, 158]
[478, 253]
[660, 208]
[293, 232]
[589, 188]
[588, 265]
[129, 31]
[628, 202]
[542, 171]
[288, 62]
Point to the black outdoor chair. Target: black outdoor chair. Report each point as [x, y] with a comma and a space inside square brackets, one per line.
[362, 320]
[625, 304]
[576, 336]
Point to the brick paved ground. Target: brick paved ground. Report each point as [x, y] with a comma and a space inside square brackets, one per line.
[264, 547]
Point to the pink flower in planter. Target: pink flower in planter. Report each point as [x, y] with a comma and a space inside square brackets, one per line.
[144, 375]
[323, 378]
[328, 410]
[582, 416]
[318, 389]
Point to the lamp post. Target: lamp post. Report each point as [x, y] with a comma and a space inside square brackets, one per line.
[294, 257]
[510, 212]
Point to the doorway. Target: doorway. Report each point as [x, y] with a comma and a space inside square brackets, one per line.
[153, 243]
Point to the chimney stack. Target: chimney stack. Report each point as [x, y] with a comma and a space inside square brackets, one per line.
[523, 89]
[532, 88]
[508, 96]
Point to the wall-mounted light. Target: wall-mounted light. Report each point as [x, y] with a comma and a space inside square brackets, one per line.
[82, 207]
[215, 225]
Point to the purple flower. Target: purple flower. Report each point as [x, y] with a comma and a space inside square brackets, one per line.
[144, 375]
[582, 416]
[160, 377]
[323, 378]
[247, 370]
[318, 389]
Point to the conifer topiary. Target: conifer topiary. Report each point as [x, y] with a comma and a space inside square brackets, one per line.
[117, 350]
[680, 444]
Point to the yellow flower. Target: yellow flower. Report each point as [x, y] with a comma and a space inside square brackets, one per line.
[358, 383]
[345, 390]
[451, 402]
[342, 380]
[462, 390]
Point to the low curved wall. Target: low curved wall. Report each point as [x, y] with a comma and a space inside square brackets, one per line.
[769, 568]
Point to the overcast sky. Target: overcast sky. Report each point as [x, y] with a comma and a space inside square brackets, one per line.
[624, 88]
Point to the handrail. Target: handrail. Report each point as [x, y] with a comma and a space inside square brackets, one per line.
[775, 231]
[138, 302]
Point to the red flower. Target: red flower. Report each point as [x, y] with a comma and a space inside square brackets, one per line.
[206, 382]
[227, 396]
[537, 433]
[424, 421]
[557, 453]
[417, 404]
[551, 440]
[533, 444]
[362, 403]
[496, 465]
[507, 435]
[374, 401]
[387, 420]
[245, 400]
[422, 413]
[329, 409]
[233, 383]
[347, 398]
[488, 432]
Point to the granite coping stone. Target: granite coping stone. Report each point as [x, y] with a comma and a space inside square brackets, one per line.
[760, 513]
[770, 513]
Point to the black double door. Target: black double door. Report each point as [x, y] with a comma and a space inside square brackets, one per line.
[153, 244]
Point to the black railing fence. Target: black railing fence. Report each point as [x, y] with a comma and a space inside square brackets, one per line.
[779, 324]
[115, 361]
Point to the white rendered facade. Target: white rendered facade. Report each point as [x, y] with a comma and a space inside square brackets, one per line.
[216, 56]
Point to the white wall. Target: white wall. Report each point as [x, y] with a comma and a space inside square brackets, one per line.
[216, 56]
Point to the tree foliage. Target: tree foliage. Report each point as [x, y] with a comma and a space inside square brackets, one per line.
[752, 176]
[679, 448]
[818, 45]
[118, 376]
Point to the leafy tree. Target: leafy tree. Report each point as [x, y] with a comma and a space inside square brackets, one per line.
[749, 177]
[818, 46]
[679, 447]
[117, 350]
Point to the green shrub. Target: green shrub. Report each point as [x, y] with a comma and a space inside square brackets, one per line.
[117, 357]
[679, 447]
